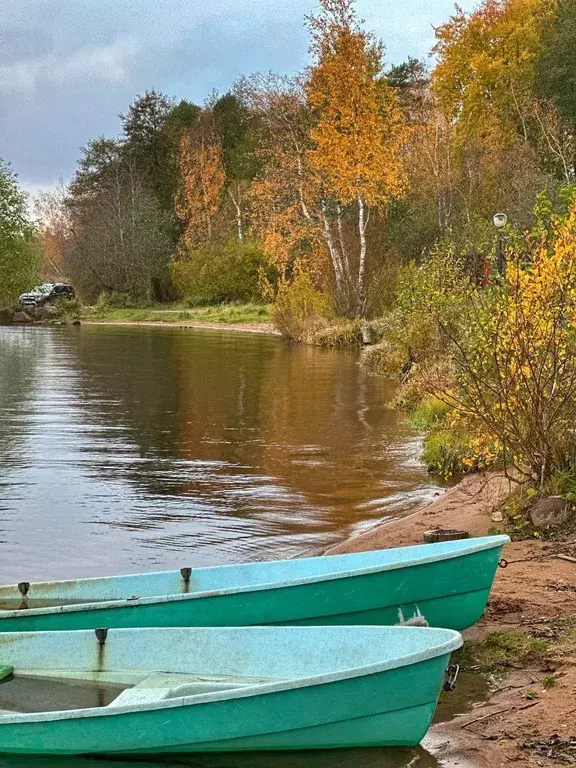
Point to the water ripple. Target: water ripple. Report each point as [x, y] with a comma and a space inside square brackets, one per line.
[126, 449]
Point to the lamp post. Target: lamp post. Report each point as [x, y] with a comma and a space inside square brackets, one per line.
[500, 220]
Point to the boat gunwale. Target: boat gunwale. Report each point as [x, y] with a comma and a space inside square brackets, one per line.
[451, 644]
[482, 543]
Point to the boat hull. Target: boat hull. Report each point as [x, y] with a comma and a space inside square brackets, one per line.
[390, 708]
[450, 593]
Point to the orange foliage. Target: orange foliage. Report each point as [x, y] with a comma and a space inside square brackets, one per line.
[285, 199]
[332, 152]
[360, 128]
[202, 179]
[54, 227]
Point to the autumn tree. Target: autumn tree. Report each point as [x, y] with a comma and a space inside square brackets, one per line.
[507, 142]
[431, 201]
[556, 63]
[285, 198]
[484, 79]
[236, 129]
[359, 131]
[331, 148]
[202, 179]
[152, 130]
[55, 226]
[490, 62]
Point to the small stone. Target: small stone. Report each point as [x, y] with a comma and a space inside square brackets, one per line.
[22, 317]
[550, 512]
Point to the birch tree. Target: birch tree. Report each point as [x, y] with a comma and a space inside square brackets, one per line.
[332, 153]
[358, 135]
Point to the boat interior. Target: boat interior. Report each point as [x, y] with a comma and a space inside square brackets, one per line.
[54, 671]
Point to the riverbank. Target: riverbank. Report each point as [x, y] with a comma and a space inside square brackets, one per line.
[251, 318]
[525, 642]
[266, 328]
[248, 313]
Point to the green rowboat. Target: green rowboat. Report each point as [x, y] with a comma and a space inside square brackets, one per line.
[183, 690]
[439, 585]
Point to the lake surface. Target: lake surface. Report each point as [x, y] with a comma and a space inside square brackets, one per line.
[131, 448]
[127, 449]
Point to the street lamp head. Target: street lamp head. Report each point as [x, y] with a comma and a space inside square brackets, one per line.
[500, 220]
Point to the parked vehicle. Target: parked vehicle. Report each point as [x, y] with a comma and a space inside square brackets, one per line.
[156, 691]
[440, 585]
[45, 294]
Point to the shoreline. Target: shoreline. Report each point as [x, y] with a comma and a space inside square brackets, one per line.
[535, 596]
[262, 328]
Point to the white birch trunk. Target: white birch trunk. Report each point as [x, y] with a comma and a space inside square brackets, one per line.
[334, 255]
[237, 204]
[362, 222]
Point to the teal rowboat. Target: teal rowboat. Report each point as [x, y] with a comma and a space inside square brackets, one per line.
[220, 690]
[441, 585]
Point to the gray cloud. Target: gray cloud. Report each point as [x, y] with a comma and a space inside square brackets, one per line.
[69, 67]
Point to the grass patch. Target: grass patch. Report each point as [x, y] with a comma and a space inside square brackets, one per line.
[430, 412]
[565, 630]
[445, 454]
[235, 313]
[171, 313]
[499, 649]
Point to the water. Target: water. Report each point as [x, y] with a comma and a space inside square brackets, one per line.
[129, 449]
[33, 694]
[342, 758]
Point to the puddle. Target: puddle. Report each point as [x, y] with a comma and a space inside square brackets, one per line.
[471, 688]
[32, 694]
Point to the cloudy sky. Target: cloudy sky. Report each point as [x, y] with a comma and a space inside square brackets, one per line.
[68, 67]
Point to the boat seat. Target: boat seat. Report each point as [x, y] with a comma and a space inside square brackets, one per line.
[164, 685]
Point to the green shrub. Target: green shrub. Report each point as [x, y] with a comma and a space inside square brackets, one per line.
[213, 274]
[300, 310]
[447, 454]
[344, 334]
[429, 413]
[563, 483]
[425, 294]
[70, 310]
